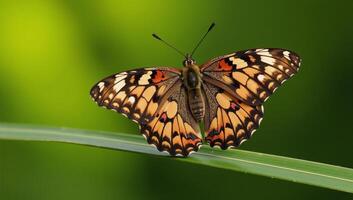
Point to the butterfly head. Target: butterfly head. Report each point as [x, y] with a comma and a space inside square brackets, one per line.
[188, 61]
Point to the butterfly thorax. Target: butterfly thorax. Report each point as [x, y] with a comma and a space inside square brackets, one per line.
[192, 82]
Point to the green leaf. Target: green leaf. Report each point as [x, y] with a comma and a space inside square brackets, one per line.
[296, 170]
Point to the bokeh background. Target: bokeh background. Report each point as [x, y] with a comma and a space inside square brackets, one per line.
[52, 52]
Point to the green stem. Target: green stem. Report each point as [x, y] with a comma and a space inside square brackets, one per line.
[296, 170]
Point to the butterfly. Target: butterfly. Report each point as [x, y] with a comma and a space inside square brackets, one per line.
[226, 93]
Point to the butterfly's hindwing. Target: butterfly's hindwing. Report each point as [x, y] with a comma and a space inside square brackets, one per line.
[251, 75]
[228, 121]
[173, 128]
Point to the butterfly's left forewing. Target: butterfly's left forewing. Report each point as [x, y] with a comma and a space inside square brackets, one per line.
[137, 93]
[155, 99]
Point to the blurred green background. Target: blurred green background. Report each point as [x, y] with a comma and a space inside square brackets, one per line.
[52, 52]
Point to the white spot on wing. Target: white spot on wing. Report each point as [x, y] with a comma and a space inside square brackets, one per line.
[131, 100]
[101, 86]
[119, 78]
[257, 50]
[120, 74]
[252, 132]
[244, 140]
[261, 77]
[286, 54]
[144, 78]
[118, 86]
[264, 52]
[268, 60]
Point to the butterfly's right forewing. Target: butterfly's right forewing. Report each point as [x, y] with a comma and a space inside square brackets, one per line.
[251, 75]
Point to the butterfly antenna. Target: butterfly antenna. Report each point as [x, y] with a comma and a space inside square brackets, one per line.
[198, 44]
[171, 46]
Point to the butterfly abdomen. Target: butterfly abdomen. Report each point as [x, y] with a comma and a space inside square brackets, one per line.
[196, 104]
[192, 81]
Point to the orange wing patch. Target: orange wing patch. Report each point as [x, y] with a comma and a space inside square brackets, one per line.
[223, 66]
[159, 76]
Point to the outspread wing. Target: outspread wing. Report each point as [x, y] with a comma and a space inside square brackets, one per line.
[251, 75]
[136, 94]
[173, 128]
[228, 121]
[235, 87]
[153, 98]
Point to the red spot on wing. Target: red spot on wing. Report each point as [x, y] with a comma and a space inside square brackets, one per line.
[159, 76]
[234, 106]
[163, 117]
[223, 66]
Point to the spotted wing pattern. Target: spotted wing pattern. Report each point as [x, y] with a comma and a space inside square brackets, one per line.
[173, 128]
[136, 94]
[148, 96]
[251, 75]
[234, 86]
[229, 121]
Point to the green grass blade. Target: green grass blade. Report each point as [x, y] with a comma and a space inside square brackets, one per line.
[301, 171]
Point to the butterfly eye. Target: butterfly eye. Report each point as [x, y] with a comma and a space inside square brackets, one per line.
[188, 62]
